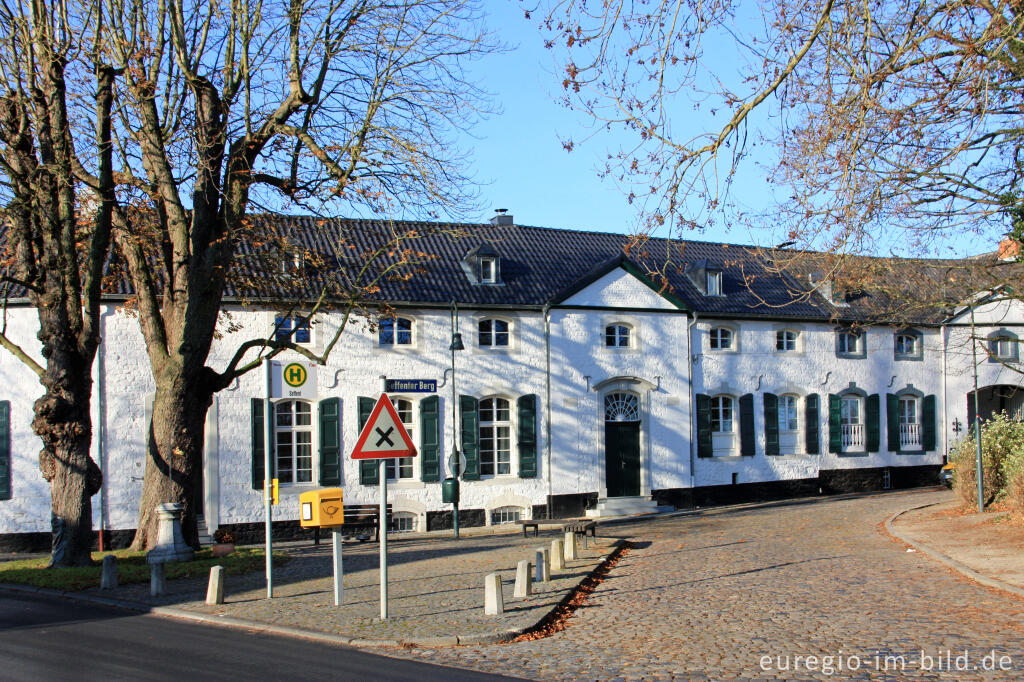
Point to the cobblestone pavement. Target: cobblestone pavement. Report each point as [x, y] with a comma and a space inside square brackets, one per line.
[717, 595]
[435, 589]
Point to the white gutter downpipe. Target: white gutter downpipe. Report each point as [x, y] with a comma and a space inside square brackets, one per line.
[691, 323]
[547, 399]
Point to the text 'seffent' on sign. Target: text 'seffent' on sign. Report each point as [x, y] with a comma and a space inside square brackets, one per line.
[295, 379]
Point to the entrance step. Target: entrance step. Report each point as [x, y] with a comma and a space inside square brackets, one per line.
[625, 506]
[205, 539]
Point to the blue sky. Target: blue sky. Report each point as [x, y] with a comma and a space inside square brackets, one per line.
[521, 165]
[518, 154]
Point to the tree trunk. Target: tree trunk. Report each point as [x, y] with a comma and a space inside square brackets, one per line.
[176, 435]
[63, 422]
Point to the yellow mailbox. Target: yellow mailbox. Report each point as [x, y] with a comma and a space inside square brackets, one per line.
[321, 508]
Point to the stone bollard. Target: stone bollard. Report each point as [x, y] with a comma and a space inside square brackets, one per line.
[524, 584]
[557, 562]
[570, 546]
[543, 571]
[493, 603]
[215, 590]
[108, 579]
[157, 586]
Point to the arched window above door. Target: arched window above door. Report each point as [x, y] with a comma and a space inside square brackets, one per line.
[621, 407]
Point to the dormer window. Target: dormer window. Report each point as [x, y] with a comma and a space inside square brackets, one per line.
[487, 271]
[482, 265]
[714, 283]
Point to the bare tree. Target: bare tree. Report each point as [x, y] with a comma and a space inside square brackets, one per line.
[55, 112]
[894, 123]
[223, 106]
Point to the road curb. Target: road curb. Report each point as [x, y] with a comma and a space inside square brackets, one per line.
[988, 581]
[493, 637]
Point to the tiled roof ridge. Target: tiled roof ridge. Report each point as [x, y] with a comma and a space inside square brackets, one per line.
[936, 260]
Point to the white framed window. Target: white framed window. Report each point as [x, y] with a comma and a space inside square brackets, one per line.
[721, 414]
[1002, 346]
[617, 336]
[909, 423]
[851, 422]
[395, 331]
[785, 340]
[849, 342]
[401, 468]
[488, 271]
[493, 333]
[788, 413]
[906, 344]
[402, 522]
[503, 515]
[714, 282]
[495, 437]
[293, 441]
[285, 325]
[720, 338]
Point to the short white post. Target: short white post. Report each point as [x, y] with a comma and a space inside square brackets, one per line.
[215, 590]
[157, 586]
[524, 582]
[543, 573]
[108, 579]
[557, 563]
[339, 595]
[493, 603]
[570, 546]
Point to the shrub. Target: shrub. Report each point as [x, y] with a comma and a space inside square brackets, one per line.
[1002, 458]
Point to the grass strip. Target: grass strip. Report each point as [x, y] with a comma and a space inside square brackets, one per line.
[131, 568]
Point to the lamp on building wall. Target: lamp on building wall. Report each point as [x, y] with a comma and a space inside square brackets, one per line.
[450, 487]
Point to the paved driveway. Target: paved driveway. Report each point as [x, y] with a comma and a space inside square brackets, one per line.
[744, 593]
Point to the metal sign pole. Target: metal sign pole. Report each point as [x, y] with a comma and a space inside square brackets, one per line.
[268, 474]
[383, 534]
[339, 595]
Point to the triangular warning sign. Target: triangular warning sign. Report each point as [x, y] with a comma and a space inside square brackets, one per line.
[383, 436]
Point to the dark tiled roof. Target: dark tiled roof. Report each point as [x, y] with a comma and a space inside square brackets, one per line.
[540, 264]
[543, 265]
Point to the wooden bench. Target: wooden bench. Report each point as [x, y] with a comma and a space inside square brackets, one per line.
[579, 526]
[358, 516]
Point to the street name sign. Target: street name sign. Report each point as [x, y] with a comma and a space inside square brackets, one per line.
[410, 385]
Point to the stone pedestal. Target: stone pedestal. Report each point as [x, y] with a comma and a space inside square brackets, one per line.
[170, 545]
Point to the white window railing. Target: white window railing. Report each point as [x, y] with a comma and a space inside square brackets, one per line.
[910, 436]
[853, 435]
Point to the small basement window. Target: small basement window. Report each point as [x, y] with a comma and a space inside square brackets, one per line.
[503, 515]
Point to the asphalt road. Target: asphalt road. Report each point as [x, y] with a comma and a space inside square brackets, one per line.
[47, 638]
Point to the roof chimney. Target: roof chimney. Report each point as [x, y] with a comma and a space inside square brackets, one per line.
[501, 217]
[1008, 249]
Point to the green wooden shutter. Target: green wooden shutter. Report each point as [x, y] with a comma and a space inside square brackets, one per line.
[469, 407]
[369, 469]
[771, 424]
[259, 437]
[811, 421]
[430, 439]
[835, 429]
[5, 450]
[748, 443]
[704, 445]
[330, 442]
[874, 425]
[892, 422]
[928, 424]
[527, 408]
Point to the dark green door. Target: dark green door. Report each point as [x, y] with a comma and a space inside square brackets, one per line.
[622, 458]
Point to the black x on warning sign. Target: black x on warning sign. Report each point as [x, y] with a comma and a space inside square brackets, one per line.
[383, 436]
